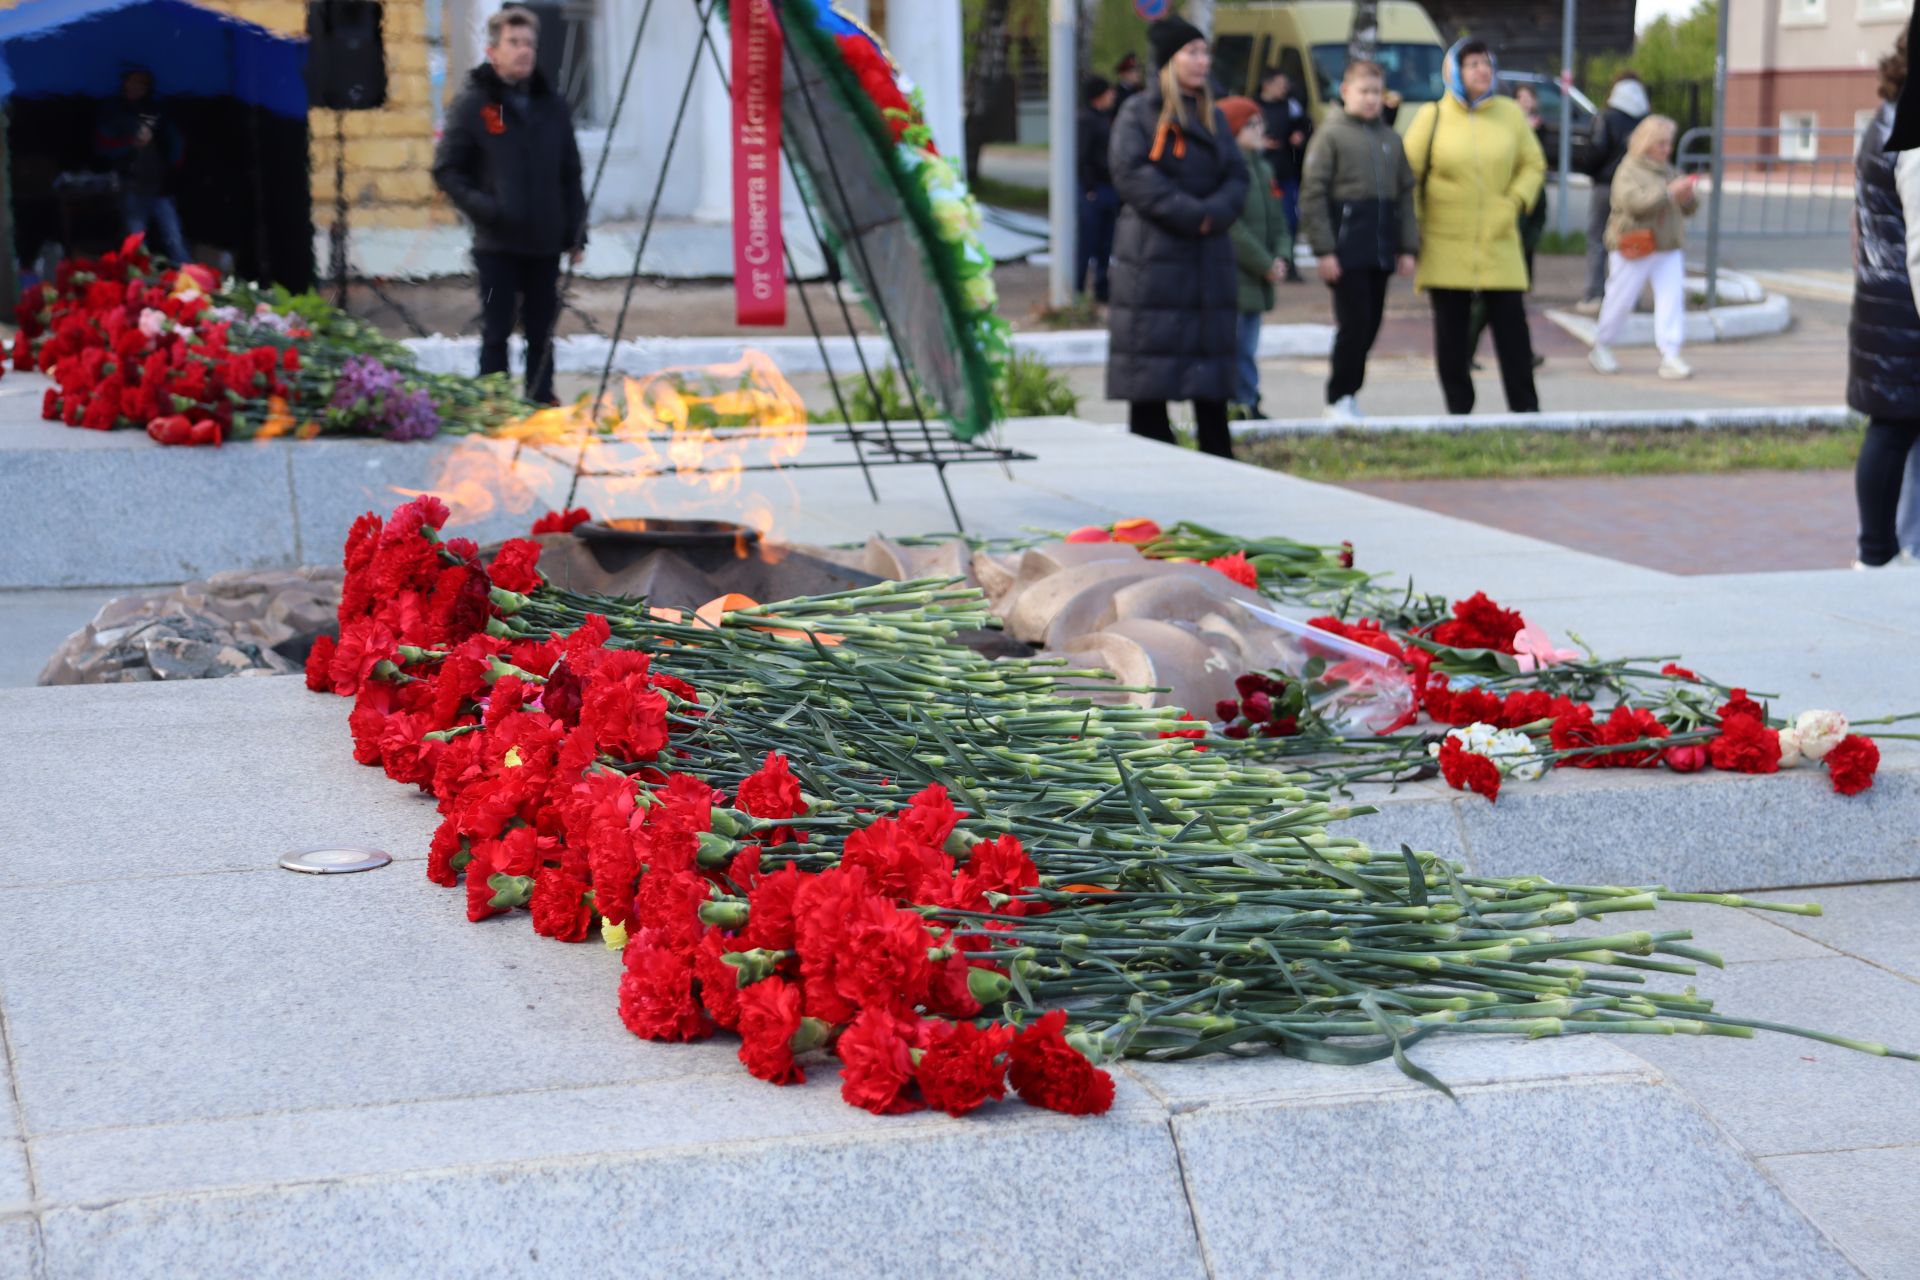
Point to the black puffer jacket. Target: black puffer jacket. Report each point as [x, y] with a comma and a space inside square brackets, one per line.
[516, 177]
[1883, 338]
[1174, 298]
[1609, 148]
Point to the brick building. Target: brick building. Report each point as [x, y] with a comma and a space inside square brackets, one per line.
[1806, 65]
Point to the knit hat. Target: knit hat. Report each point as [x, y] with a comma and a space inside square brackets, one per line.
[1238, 111]
[1092, 87]
[1169, 36]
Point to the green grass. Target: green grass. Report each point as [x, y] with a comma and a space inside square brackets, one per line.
[1009, 195]
[1498, 453]
[1573, 244]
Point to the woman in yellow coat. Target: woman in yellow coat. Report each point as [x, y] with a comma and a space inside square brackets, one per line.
[1477, 168]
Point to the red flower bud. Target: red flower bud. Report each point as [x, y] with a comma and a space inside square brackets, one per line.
[1090, 533]
[1686, 758]
[1135, 530]
[1259, 706]
[1226, 710]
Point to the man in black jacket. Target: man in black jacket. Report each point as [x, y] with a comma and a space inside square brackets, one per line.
[509, 162]
[1099, 203]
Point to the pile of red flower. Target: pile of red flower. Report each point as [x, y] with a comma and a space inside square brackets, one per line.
[130, 345]
[728, 917]
[1733, 735]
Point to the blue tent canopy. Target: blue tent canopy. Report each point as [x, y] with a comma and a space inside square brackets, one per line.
[54, 48]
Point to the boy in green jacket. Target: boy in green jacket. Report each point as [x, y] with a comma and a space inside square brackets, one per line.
[1262, 247]
[1357, 211]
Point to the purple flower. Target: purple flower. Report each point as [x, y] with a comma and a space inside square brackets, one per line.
[376, 400]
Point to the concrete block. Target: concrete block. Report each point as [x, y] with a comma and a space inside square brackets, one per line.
[1108, 1202]
[142, 513]
[1778, 1095]
[334, 481]
[1863, 1200]
[1275, 1183]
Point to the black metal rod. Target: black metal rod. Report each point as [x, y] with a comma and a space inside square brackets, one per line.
[879, 302]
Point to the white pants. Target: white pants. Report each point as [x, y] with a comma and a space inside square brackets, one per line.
[1667, 272]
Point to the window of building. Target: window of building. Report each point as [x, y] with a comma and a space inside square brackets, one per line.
[566, 52]
[1798, 137]
[1884, 10]
[1802, 13]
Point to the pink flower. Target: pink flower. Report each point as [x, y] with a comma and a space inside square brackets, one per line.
[1534, 650]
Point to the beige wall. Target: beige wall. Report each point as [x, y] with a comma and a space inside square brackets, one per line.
[1765, 35]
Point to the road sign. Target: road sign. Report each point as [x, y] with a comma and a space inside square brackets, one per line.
[1151, 10]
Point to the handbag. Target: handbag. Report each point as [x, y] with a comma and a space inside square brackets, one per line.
[1638, 243]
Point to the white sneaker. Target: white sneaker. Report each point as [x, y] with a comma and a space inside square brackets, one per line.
[1675, 369]
[1905, 560]
[1601, 358]
[1588, 306]
[1343, 410]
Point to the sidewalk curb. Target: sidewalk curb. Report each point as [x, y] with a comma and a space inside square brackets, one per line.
[1829, 416]
[1771, 314]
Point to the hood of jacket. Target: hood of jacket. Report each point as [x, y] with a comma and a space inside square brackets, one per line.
[1630, 98]
[488, 81]
[1457, 87]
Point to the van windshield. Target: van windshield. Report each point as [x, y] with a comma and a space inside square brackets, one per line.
[1413, 70]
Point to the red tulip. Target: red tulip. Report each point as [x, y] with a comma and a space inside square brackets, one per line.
[1686, 758]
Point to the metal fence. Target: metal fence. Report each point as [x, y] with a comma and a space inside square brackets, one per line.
[1776, 182]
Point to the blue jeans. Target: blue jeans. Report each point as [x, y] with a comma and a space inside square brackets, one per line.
[1290, 201]
[1093, 245]
[156, 216]
[1247, 371]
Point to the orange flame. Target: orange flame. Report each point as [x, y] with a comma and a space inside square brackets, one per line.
[698, 426]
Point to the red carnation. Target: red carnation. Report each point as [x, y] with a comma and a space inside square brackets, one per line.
[513, 565]
[877, 1061]
[1739, 704]
[319, 662]
[1237, 567]
[931, 815]
[560, 906]
[1465, 770]
[769, 1019]
[1851, 765]
[963, 1067]
[1053, 1074]
[1745, 745]
[560, 521]
[883, 961]
[771, 791]
[1631, 724]
[656, 993]
[1479, 623]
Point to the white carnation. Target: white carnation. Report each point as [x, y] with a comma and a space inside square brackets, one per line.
[1819, 732]
[1510, 750]
[1792, 749]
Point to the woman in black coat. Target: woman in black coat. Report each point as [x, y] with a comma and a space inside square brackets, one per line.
[1883, 339]
[1174, 309]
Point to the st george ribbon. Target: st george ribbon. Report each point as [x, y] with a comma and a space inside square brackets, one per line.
[759, 280]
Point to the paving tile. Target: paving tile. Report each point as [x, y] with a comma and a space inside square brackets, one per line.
[717, 1113]
[20, 1243]
[1779, 1094]
[1275, 1184]
[1058, 1196]
[171, 800]
[1739, 937]
[1875, 922]
[1863, 1200]
[242, 993]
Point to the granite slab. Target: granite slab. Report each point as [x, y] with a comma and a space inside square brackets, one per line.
[1864, 1200]
[226, 1069]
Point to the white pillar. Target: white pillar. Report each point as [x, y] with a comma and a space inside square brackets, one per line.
[925, 38]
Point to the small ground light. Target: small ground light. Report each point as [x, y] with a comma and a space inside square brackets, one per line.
[329, 862]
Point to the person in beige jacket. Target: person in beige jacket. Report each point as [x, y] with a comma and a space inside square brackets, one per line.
[1646, 244]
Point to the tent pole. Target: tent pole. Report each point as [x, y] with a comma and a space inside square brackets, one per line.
[9, 269]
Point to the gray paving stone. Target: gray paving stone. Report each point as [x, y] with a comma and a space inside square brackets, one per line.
[16, 1194]
[1708, 831]
[1875, 922]
[112, 710]
[1779, 1094]
[241, 993]
[1054, 1197]
[663, 1117]
[1864, 1200]
[33, 623]
[1273, 1184]
[196, 798]
[1462, 1061]
[19, 1247]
